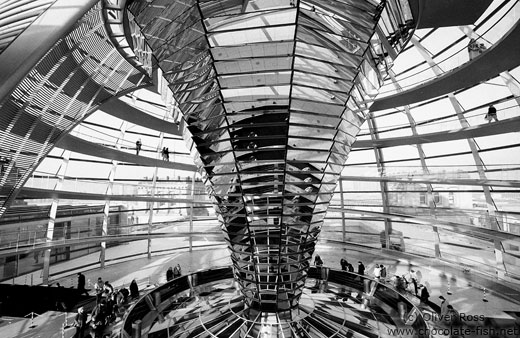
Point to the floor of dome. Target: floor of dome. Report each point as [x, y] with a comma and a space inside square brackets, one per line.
[217, 309]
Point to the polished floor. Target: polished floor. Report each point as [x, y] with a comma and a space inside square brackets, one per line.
[499, 304]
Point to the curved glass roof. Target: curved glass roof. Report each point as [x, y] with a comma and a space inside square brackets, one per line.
[404, 187]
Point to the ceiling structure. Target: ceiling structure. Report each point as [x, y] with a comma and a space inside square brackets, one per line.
[271, 96]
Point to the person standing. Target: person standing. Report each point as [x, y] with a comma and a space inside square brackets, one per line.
[169, 274]
[383, 273]
[138, 145]
[425, 295]
[491, 114]
[361, 268]
[377, 272]
[177, 271]
[343, 262]
[413, 277]
[80, 322]
[81, 284]
[134, 289]
[444, 306]
[108, 290]
[473, 49]
[318, 263]
[99, 288]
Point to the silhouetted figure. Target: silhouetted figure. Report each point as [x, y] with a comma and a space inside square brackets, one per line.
[138, 145]
[413, 277]
[424, 294]
[165, 154]
[350, 267]
[361, 268]
[169, 274]
[134, 289]
[318, 263]
[81, 284]
[383, 273]
[491, 114]
[343, 262]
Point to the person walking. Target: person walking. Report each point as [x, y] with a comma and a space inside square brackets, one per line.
[138, 145]
[163, 153]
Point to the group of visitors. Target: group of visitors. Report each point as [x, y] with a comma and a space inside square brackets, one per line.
[165, 152]
[407, 282]
[108, 304]
[346, 266]
[173, 272]
[475, 48]
[380, 273]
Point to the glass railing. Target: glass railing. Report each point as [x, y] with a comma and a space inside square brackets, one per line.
[503, 172]
[170, 189]
[508, 109]
[37, 239]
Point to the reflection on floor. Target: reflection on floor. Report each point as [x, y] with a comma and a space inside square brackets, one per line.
[502, 308]
[326, 310]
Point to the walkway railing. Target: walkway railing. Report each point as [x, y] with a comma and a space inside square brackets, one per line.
[140, 317]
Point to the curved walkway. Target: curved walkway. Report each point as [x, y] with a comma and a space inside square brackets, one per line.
[78, 145]
[124, 111]
[502, 56]
[434, 180]
[61, 194]
[496, 128]
[465, 229]
[28, 248]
